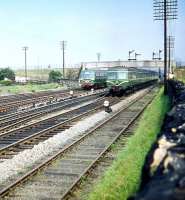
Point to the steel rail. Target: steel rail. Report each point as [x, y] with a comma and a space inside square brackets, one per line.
[67, 148]
[23, 96]
[21, 101]
[11, 106]
[22, 117]
[5, 130]
[39, 134]
[85, 172]
[61, 117]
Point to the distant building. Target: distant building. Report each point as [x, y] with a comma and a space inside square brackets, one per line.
[20, 79]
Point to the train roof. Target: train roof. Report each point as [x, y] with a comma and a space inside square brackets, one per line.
[118, 68]
[95, 69]
[129, 69]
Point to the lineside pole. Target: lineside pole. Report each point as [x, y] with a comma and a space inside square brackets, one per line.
[63, 58]
[63, 47]
[25, 63]
[165, 10]
[165, 49]
[169, 55]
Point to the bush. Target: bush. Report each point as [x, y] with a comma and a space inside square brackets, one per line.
[7, 73]
[71, 74]
[55, 76]
[6, 82]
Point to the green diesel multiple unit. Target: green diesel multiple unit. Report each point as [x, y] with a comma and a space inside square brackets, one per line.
[93, 78]
[120, 79]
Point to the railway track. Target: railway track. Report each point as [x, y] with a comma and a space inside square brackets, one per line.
[24, 96]
[57, 177]
[22, 117]
[98, 171]
[31, 134]
[31, 101]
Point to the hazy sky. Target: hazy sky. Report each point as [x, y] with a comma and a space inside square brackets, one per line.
[112, 27]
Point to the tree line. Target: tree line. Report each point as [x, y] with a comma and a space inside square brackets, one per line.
[7, 75]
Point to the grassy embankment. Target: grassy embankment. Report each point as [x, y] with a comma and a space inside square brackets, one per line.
[36, 74]
[15, 89]
[123, 177]
[43, 74]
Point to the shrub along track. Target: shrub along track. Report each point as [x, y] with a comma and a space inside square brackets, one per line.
[19, 118]
[14, 103]
[62, 172]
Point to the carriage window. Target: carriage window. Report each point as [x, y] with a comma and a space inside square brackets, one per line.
[134, 76]
[122, 75]
[117, 75]
[112, 75]
[87, 75]
[99, 74]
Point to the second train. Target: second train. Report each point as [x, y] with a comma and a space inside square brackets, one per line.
[118, 80]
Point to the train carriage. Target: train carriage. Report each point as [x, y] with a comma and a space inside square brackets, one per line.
[121, 79]
[93, 78]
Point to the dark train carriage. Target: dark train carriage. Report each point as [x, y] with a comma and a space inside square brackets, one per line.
[93, 78]
[120, 79]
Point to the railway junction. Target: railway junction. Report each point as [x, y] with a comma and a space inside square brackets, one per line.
[94, 142]
[116, 137]
[59, 148]
[79, 128]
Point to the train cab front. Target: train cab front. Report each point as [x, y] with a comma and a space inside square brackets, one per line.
[86, 84]
[116, 88]
[86, 79]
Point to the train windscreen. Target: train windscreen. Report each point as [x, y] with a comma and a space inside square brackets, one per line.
[86, 75]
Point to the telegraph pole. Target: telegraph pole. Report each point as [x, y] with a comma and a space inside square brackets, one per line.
[98, 56]
[169, 55]
[165, 10]
[25, 61]
[63, 46]
[170, 47]
[165, 47]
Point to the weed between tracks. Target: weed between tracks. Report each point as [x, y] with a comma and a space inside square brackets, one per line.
[15, 89]
[123, 178]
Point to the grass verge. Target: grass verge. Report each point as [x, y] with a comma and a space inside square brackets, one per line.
[123, 177]
[15, 89]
